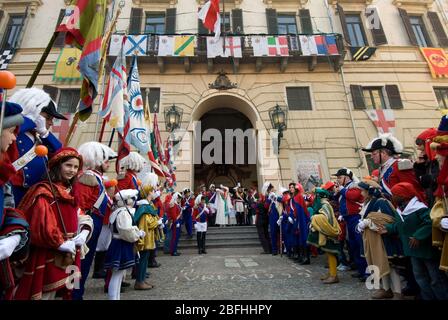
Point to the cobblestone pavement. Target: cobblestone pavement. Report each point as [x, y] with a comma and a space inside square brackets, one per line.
[232, 274]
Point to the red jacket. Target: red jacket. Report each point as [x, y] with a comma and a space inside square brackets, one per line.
[127, 182]
[174, 212]
[398, 176]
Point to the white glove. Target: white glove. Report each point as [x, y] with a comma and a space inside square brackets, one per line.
[7, 246]
[279, 221]
[195, 226]
[291, 220]
[81, 238]
[340, 218]
[444, 223]
[68, 246]
[156, 194]
[177, 225]
[141, 233]
[41, 127]
[160, 222]
[361, 226]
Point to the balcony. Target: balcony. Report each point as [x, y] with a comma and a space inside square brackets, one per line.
[295, 54]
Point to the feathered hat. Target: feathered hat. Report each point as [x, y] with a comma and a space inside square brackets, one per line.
[32, 100]
[133, 161]
[149, 181]
[94, 154]
[174, 198]
[198, 199]
[385, 141]
[265, 187]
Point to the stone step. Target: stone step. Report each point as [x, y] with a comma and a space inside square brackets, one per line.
[222, 244]
[223, 236]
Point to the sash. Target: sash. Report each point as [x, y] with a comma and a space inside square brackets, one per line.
[26, 158]
[134, 181]
[103, 199]
[200, 213]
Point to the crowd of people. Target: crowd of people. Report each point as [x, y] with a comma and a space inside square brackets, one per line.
[61, 214]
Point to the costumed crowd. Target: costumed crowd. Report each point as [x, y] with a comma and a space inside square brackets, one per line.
[61, 214]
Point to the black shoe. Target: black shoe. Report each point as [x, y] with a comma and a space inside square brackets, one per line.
[175, 254]
[99, 275]
[204, 252]
[305, 262]
[125, 284]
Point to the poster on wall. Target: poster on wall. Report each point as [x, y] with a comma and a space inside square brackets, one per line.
[309, 173]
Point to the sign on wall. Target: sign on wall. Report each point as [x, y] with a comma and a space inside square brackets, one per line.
[309, 173]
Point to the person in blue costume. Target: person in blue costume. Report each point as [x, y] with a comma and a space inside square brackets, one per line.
[274, 215]
[283, 221]
[187, 212]
[301, 225]
[379, 250]
[39, 111]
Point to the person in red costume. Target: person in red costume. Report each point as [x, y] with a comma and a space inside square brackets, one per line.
[59, 230]
[130, 166]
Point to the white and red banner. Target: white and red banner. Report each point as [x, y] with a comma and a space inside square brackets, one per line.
[232, 47]
[209, 14]
[383, 119]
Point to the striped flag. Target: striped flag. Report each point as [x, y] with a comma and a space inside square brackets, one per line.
[112, 110]
[159, 146]
[362, 53]
[84, 24]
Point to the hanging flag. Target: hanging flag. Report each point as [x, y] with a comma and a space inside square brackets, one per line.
[308, 45]
[176, 46]
[112, 110]
[232, 47]
[5, 58]
[84, 24]
[332, 46]
[362, 53]
[209, 14]
[67, 65]
[260, 46]
[437, 61]
[134, 45]
[383, 119]
[321, 45]
[159, 145]
[138, 134]
[278, 46]
[294, 42]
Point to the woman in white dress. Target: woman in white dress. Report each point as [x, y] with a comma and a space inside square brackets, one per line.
[223, 205]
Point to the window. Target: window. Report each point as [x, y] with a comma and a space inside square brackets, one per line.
[13, 30]
[420, 31]
[68, 100]
[225, 23]
[355, 30]
[155, 23]
[374, 98]
[286, 24]
[153, 97]
[442, 97]
[298, 98]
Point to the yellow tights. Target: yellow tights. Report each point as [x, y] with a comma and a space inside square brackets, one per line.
[332, 264]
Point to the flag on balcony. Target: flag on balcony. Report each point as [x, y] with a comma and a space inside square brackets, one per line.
[331, 45]
[176, 46]
[437, 61]
[112, 109]
[232, 47]
[383, 119]
[362, 53]
[270, 46]
[67, 65]
[84, 24]
[308, 45]
[134, 45]
[321, 45]
[209, 14]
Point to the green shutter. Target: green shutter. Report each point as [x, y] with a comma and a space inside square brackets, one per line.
[271, 18]
[357, 97]
[305, 21]
[407, 24]
[237, 21]
[438, 29]
[341, 14]
[298, 98]
[393, 93]
[170, 21]
[135, 26]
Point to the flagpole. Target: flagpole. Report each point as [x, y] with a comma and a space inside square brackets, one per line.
[224, 29]
[42, 60]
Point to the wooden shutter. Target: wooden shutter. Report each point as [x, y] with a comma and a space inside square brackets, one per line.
[237, 21]
[407, 25]
[379, 37]
[341, 14]
[438, 29]
[52, 91]
[394, 97]
[170, 21]
[60, 40]
[271, 18]
[135, 26]
[298, 98]
[357, 97]
[305, 21]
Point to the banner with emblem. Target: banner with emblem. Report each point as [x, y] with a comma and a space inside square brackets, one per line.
[134, 45]
[216, 48]
[270, 46]
[67, 65]
[437, 61]
[383, 119]
[176, 46]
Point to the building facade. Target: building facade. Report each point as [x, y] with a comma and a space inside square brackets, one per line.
[326, 96]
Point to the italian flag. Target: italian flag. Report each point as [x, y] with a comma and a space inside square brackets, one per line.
[278, 46]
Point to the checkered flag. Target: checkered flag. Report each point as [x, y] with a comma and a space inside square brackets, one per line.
[5, 58]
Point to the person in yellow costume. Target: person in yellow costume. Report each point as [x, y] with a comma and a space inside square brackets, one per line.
[147, 219]
[324, 232]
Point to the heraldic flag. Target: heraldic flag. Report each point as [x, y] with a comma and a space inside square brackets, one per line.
[176, 46]
[362, 53]
[138, 134]
[67, 65]
[383, 119]
[84, 24]
[437, 61]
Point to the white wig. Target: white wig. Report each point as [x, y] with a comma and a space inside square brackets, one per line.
[150, 179]
[265, 187]
[32, 100]
[198, 199]
[133, 161]
[94, 154]
[176, 195]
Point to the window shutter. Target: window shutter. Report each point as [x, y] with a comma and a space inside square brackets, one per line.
[379, 37]
[438, 29]
[341, 14]
[394, 97]
[170, 21]
[237, 21]
[60, 39]
[298, 98]
[135, 25]
[271, 17]
[357, 97]
[407, 24]
[52, 91]
[154, 99]
[305, 21]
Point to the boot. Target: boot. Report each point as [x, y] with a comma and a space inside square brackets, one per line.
[383, 294]
[203, 242]
[152, 263]
[98, 267]
[331, 280]
[306, 256]
[199, 240]
[300, 256]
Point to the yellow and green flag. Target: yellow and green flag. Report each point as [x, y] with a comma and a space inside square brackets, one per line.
[67, 65]
[184, 46]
